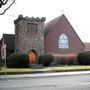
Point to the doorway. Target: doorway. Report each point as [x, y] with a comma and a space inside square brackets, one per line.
[32, 56]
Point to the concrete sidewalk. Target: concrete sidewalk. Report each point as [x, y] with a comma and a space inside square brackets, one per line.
[43, 74]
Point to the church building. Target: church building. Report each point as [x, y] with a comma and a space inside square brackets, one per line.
[56, 37]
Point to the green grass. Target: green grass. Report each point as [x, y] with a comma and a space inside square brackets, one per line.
[57, 68]
[15, 70]
[70, 68]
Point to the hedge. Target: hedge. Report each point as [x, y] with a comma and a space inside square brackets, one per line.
[84, 58]
[16, 60]
[70, 60]
[46, 59]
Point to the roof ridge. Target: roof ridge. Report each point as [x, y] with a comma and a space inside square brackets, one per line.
[51, 24]
[54, 19]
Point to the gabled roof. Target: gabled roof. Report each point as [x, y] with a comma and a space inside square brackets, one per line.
[50, 25]
[9, 40]
[87, 46]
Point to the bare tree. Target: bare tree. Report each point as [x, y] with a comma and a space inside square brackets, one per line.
[3, 3]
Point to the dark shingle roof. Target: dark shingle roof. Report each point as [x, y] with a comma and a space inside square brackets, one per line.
[52, 23]
[87, 46]
[9, 39]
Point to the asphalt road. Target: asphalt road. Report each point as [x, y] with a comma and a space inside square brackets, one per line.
[65, 82]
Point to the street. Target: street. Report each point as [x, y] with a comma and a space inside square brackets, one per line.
[64, 82]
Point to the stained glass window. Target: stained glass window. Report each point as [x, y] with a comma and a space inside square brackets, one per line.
[63, 41]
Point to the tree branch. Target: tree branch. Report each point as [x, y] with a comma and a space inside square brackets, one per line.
[4, 2]
[7, 7]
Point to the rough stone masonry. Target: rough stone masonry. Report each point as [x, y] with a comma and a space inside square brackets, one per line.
[29, 34]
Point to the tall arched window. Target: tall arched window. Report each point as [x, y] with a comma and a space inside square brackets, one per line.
[63, 41]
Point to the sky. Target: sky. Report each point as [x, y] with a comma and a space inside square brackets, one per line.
[76, 11]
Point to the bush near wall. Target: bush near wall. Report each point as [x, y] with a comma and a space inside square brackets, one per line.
[16, 60]
[71, 60]
[84, 58]
[46, 59]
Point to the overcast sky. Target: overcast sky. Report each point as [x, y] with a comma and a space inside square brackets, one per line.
[76, 11]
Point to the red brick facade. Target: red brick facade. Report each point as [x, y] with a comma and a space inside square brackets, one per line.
[53, 30]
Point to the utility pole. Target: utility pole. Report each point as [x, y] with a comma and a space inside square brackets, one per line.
[5, 59]
[3, 54]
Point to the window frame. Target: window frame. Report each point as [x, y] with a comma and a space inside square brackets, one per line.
[63, 41]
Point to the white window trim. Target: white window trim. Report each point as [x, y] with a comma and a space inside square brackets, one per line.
[63, 41]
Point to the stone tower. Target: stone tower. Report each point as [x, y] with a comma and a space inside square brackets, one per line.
[29, 34]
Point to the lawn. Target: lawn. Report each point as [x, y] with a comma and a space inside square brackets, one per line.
[56, 68]
[70, 68]
[15, 70]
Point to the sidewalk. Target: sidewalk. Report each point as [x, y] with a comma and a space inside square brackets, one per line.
[43, 74]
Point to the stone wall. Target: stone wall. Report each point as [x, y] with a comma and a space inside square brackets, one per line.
[29, 34]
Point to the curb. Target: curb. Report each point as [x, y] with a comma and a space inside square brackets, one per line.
[44, 74]
[39, 71]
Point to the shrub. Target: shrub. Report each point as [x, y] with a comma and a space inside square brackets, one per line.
[60, 61]
[46, 59]
[70, 60]
[17, 61]
[84, 58]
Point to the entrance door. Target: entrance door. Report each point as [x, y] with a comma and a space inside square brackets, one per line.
[32, 56]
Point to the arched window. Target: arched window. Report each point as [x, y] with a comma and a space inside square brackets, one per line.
[63, 41]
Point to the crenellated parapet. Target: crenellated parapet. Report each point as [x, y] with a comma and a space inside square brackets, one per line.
[29, 34]
[32, 19]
